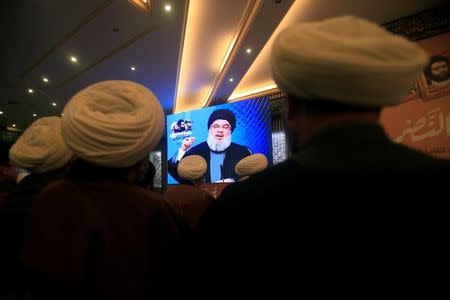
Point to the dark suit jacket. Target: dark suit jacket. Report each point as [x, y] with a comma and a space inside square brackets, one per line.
[351, 213]
[233, 154]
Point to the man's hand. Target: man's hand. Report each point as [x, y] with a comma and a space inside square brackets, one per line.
[187, 143]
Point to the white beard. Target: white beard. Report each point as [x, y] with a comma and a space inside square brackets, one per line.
[219, 146]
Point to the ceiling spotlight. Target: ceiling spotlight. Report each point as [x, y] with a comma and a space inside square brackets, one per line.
[168, 8]
[30, 91]
[54, 103]
[13, 125]
[45, 79]
[73, 59]
[133, 68]
[34, 115]
[231, 80]
[1, 113]
[248, 50]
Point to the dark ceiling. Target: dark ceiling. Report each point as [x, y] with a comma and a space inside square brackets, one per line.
[107, 38]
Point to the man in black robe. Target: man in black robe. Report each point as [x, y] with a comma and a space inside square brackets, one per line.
[352, 213]
[220, 153]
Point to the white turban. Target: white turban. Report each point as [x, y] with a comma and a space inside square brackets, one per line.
[41, 148]
[348, 60]
[113, 123]
[251, 164]
[192, 167]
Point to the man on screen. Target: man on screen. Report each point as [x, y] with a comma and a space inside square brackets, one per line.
[220, 153]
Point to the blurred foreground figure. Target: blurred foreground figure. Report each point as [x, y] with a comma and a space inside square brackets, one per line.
[42, 152]
[341, 218]
[96, 235]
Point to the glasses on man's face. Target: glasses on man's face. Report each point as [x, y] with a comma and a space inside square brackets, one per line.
[217, 126]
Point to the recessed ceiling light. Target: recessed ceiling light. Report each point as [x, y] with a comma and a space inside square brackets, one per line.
[62, 114]
[30, 91]
[34, 115]
[231, 79]
[73, 59]
[54, 103]
[248, 50]
[1, 113]
[45, 79]
[168, 8]
[13, 125]
[133, 68]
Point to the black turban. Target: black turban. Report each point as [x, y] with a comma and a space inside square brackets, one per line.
[223, 114]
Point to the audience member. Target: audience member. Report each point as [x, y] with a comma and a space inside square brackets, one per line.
[41, 150]
[351, 212]
[96, 235]
[188, 200]
[251, 165]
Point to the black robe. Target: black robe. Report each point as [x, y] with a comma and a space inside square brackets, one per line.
[350, 215]
[233, 154]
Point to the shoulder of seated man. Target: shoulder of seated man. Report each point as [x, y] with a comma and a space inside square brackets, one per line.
[260, 184]
[66, 190]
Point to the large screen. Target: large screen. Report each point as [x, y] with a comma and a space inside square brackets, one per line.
[222, 135]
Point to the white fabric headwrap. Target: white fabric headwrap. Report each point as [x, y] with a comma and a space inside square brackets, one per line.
[251, 164]
[41, 148]
[192, 167]
[348, 60]
[113, 123]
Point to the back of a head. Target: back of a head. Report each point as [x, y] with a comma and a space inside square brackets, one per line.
[251, 165]
[187, 199]
[346, 60]
[192, 168]
[41, 148]
[113, 124]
